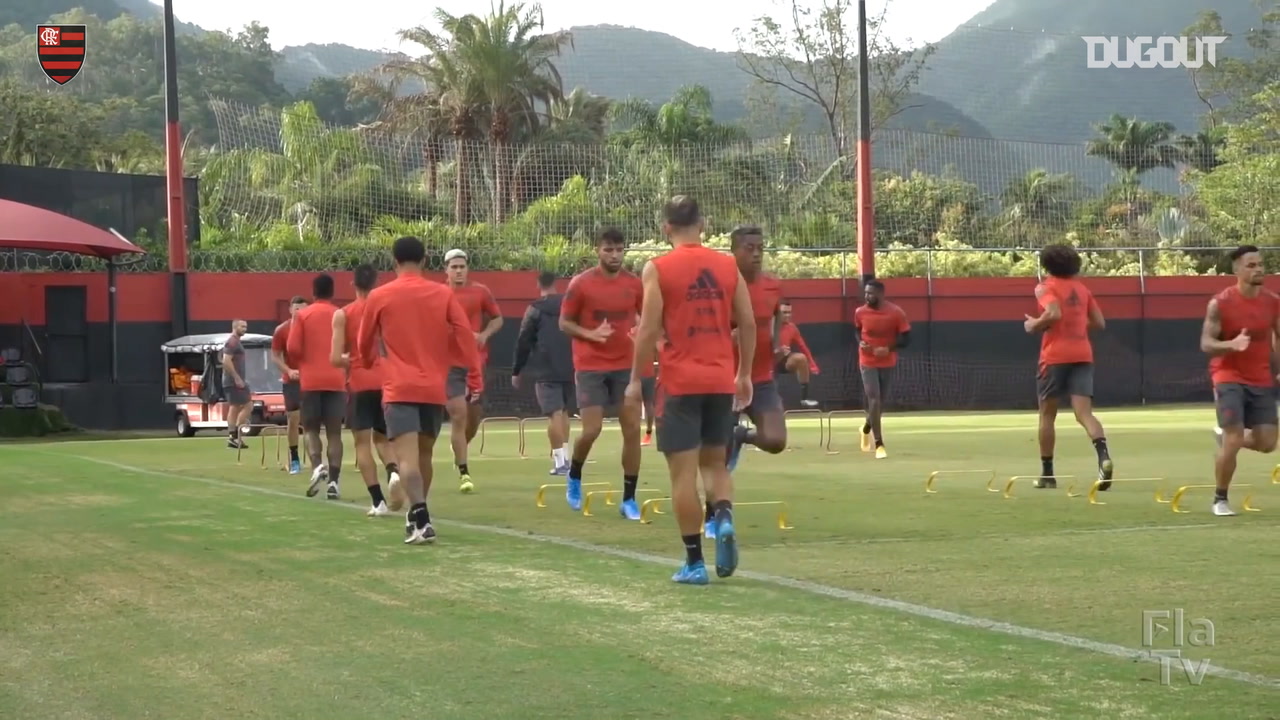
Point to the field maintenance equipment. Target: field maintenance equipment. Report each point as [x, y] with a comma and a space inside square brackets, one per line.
[193, 383]
[610, 498]
[822, 430]
[1176, 503]
[654, 507]
[933, 477]
[1093, 489]
[1008, 486]
[540, 499]
[831, 425]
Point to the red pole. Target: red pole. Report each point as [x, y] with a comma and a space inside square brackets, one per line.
[866, 206]
[173, 181]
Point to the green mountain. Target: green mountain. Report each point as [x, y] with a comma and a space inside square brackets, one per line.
[1019, 67]
[622, 62]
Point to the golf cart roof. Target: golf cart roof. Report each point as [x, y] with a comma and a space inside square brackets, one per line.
[213, 343]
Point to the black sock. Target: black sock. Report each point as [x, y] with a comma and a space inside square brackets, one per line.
[392, 469]
[804, 391]
[462, 469]
[866, 428]
[293, 453]
[575, 469]
[1101, 446]
[629, 483]
[375, 492]
[723, 506]
[692, 548]
[233, 433]
[418, 515]
[711, 511]
[879, 443]
[334, 472]
[1046, 466]
[749, 435]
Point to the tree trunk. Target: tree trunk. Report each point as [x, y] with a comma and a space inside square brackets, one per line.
[500, 180]
[431, 158]
[462, 182]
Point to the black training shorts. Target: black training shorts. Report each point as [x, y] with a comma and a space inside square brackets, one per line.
[364, 412]
[689, 422]
[1244, 405]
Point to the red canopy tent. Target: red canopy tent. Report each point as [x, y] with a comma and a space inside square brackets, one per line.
[26, 227]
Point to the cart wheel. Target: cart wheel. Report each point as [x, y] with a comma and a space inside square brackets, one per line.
[256, 421]
[184, 426]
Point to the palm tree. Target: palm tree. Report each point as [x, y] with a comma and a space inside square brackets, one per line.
[417, 119]
[1039, 198]
[1135, 146]
[1200, 151]
[686, 119]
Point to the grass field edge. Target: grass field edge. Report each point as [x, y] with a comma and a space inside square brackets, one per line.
[806, 586]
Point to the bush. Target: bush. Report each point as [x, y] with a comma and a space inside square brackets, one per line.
[43, 420]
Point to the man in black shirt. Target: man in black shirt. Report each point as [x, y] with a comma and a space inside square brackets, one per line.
[544, 346]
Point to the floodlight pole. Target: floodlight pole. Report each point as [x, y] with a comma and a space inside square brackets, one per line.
[866, 207]
[174, 182]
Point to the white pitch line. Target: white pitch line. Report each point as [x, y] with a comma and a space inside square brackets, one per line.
[1003, 536]
[922, 611]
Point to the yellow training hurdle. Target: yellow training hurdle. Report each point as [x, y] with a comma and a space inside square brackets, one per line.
[610, 498]
[1008, 486]
[933, 477]
[486, 421]
[1176, 503]
[653, 507]
[1092, 493]
[822, 429]
[831, 426]
[540, 499]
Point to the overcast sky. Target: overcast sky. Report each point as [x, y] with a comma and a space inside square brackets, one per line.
[706, 23]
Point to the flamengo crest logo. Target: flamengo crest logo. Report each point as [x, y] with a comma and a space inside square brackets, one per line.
[60, 49]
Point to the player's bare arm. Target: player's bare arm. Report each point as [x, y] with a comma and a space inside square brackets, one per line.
[1212, 330]
[1275, 347]
[490, 329]
[338, 349]
[1096, 319]
[745, 319]
[650, 328]
[277, 357]
[1052, 313]
[569, 325]
[775, 329]
[229, 366]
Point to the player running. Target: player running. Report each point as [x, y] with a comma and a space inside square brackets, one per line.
[1068, 312]
[364, 399]
[769, 431]
[696, 295]
[598, 314]
[464, 408]
[289, 380]
[1239, 334]
[542, 340]
[881, 329]
[235, 385]
[324, 387]
[793, 355]
[416, 321]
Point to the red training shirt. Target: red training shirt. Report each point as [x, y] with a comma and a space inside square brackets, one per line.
[478, 303]
[280, 344]
[594, 297]
[413, 316]
[697, 285]
[766, 294]
[311, 341]
[789, 337]
[1067, 340]
[880, 327]
[1257, 315]
[359, 377]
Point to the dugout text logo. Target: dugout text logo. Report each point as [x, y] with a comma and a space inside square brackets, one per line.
[60, 49]
[1147, 52]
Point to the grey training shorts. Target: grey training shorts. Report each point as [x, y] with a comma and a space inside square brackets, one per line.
[1065, 380]
[553, 397]
[602, 389]
[1247, 405]
[421, 418]
[323, 407]
[689, 422]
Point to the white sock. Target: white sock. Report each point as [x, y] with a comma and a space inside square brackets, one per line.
[559, 456]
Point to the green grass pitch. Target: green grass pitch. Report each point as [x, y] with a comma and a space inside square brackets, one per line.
[157, 578]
